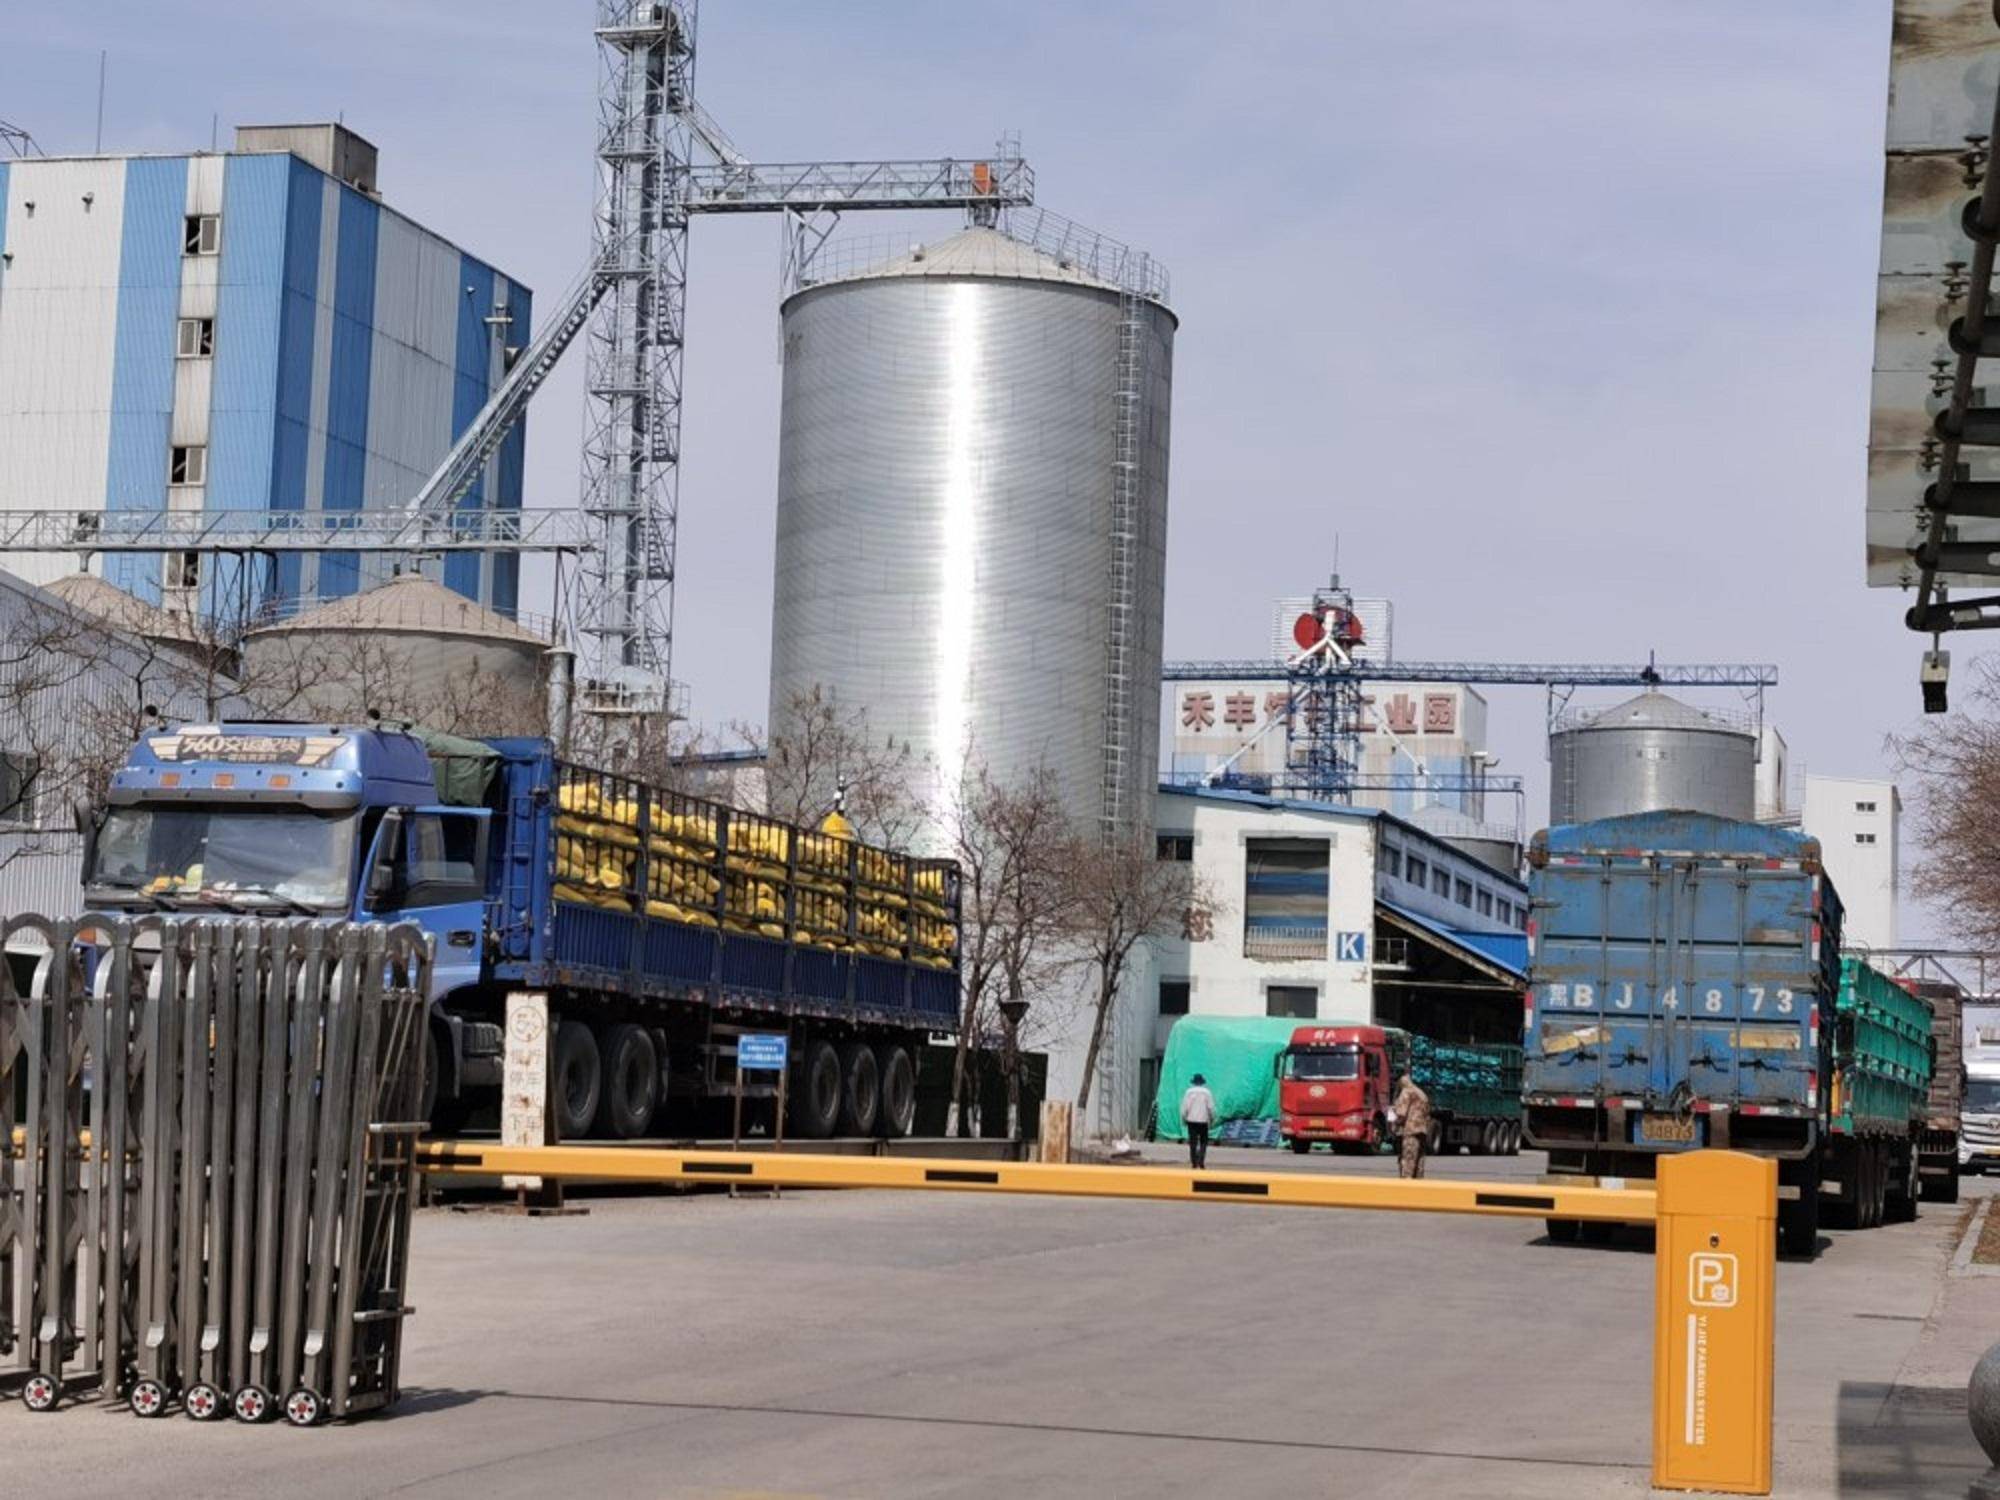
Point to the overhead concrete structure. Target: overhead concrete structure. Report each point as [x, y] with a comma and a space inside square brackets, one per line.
[972, 508]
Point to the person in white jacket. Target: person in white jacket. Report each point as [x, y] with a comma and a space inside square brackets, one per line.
[1197, 1114]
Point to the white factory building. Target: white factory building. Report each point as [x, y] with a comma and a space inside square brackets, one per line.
[1323, 911]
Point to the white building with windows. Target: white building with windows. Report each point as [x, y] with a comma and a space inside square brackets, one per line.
[1325, 912]
[1858, 824]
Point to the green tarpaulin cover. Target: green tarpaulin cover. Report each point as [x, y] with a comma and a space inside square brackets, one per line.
[1236, 1054]
[462, 768]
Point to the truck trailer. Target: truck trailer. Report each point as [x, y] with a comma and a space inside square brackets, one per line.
[659, 926]
[1686, 989]
[1683, 975]
[1338, 1084]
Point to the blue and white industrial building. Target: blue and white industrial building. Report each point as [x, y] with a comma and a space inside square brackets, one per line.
[251, 329]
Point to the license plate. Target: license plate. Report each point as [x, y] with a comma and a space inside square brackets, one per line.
[1670, 1128]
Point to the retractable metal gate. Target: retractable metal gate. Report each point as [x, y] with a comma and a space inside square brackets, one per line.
[207, 1162]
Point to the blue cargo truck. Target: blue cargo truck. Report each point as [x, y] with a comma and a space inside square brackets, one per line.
[1682, 981]
[659, 925]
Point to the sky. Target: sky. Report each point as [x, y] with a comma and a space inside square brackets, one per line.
[1556, 315]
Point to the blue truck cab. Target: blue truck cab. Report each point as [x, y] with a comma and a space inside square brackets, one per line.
[659, 925]
[1682, 980]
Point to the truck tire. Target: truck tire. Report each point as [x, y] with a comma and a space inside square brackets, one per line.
[816, 1091]
[1595, 1232]
[1843, 1165]
[1564, 1231]
[1300, 1145]
[1798, 1218]
[631, 1089]
[1868, 1171]
[579, 1080]
[899, 1090]
[860, 1089]
[1514, 1138]
[1489, 1138]
[1943, 1188]
[1901, 1207]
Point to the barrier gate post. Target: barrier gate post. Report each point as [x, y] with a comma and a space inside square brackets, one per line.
[1716, 1265]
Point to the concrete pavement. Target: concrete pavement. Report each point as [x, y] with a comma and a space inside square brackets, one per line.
[877, 1344]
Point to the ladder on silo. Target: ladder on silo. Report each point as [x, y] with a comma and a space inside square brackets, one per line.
[1127, 507]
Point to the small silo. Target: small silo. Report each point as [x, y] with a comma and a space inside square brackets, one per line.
[1647, 753]
[972, 513]
[409, 647]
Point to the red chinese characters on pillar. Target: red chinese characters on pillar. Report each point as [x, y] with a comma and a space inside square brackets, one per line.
[1239, 709]
[1440, 713]
[1400, 714]
[1198, 710]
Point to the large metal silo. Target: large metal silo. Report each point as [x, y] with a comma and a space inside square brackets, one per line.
[1647, 753]
[957, 553]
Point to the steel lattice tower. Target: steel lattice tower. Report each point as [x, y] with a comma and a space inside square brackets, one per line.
[623, 591]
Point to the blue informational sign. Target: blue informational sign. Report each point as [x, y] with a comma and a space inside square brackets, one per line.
[761, 1052]
[1351, 948]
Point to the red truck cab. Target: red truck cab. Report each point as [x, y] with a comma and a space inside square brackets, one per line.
[1335, 1084]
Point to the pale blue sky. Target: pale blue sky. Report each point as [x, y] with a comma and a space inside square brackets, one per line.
[1557, 311]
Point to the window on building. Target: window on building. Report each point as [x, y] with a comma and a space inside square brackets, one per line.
[1461, 892]
[1521, 917]
[1441, 882]
[1174, 997]
[1503, 910]
[1485, 903]
[19, 772]
[201, 234]
[1864, 838]
[183, 570]
[1418, 872]
[1392, 863]
[1864, 807]
[1284, 898]
[197, 338]
[188, 465]
[1175, 846]
[1299, 1001]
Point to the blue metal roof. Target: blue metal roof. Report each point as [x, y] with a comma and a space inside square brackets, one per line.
[1509, 950]
[1265, 799]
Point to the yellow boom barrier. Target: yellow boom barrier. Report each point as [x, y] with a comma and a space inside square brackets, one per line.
[1715, 1250]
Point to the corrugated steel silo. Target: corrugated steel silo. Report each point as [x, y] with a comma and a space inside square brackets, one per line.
[1647, 753]
[955, 553]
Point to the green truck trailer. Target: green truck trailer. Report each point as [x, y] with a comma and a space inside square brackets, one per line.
[1884, 1056]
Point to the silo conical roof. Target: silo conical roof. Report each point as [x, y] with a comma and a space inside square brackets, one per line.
[1653, 709]
[979, 251]
[106, 601]
[407, 602]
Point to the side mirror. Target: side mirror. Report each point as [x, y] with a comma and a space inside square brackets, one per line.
[381, 884]
[88, 818]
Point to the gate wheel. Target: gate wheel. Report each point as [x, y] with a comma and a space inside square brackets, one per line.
[148, 1399]
[304, 1407]
[251, 1404]
[202, 1403]
[41, 1393]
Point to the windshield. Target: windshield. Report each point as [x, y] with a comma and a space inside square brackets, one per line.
[1982, 1096]
[258, 855]
[1343, 1064]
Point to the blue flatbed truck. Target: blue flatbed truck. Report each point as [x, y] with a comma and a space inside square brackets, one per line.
[1682, 982]
[659, 925]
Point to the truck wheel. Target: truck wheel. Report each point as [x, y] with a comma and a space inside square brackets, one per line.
[1798, 1219]
[446, 1116]
[860, 1089]
[816, 1091]
[1595, 1232]
[899, 1090]
[1300, 1146]
[1868, 1196]
[1514, 1138]
[1563, 1231]
[579, 1080]
[631, 1083]
[1941, 1189]
[1902, 1205]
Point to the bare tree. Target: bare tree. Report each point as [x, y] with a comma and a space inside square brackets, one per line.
[820, 751]
[1009, 840]
[1115, 896]
[1952, 767]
